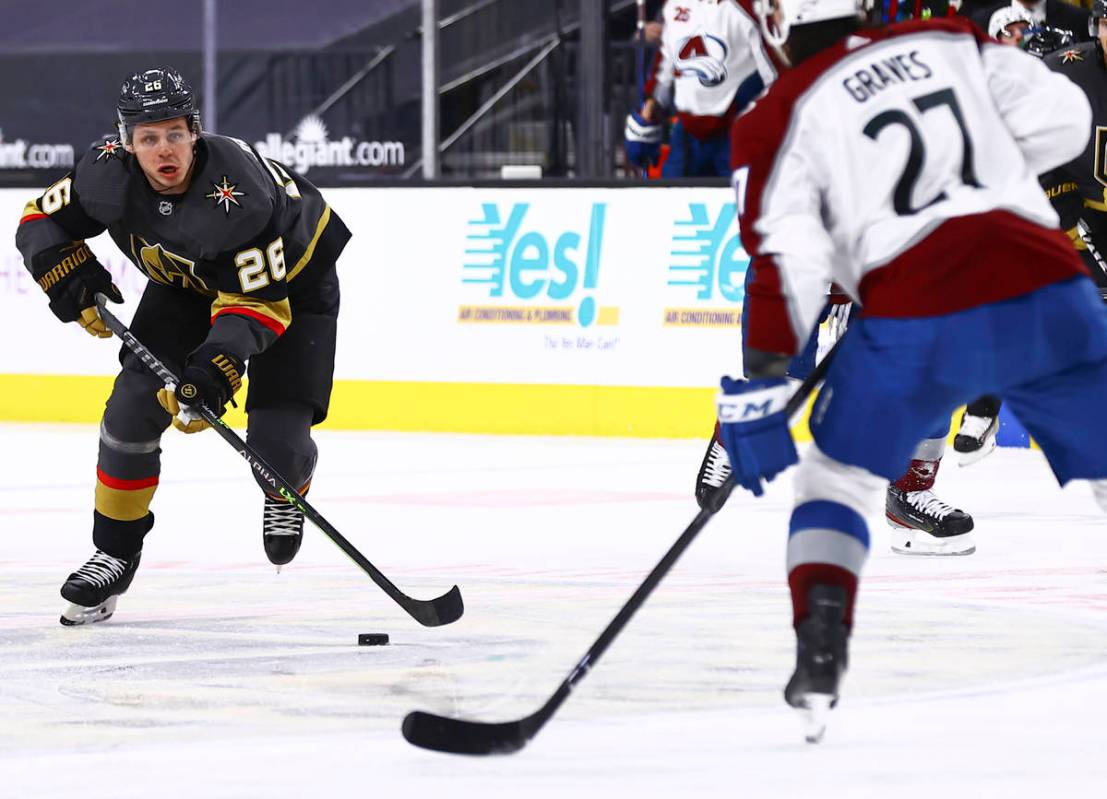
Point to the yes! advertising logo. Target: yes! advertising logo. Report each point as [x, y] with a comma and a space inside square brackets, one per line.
[707, 266]
[538, 274]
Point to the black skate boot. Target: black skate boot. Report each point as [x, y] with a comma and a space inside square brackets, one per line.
[976, 438]
[282, 530]
[714, 470]
[822, 656]
[924, 525]
[93, 589]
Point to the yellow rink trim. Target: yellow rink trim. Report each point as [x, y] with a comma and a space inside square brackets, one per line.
[648, 412]
[632, 411]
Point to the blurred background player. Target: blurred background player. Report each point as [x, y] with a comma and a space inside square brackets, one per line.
[1052, 13]
[240, 258]
[709, 67]
[1078, 192]
[1009, 24]
[930, 134]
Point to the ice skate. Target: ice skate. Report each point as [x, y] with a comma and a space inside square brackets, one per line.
[93, 589]
[822, 656]
[924, 525]
[714, 470]
[976, 439]
[282, 531]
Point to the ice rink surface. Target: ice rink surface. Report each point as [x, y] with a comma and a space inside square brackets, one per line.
[981, 676]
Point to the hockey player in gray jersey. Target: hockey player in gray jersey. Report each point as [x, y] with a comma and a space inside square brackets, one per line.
[240, 256]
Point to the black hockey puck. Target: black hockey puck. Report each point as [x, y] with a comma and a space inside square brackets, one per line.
[372, 639]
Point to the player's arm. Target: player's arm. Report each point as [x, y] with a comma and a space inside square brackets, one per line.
[249, 313]
[644, 127]
[749, 30]
[658, 88]
[1047, 113]
[791, 252]
[1064, 195]
[643, 130]
[50, 237]
[781, 222]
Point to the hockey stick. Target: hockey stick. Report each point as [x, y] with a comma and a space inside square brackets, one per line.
[1085, 234]
[458, 736]
[430, 613]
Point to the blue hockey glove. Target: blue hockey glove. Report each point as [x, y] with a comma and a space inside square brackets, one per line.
[755, 430]
[643, 141]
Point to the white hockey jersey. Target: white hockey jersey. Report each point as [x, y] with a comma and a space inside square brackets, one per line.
[708, 48]
[902, 164]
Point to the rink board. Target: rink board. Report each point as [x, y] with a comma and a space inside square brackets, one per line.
[563, 311]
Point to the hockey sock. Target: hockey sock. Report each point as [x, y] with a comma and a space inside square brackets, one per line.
[828, 544]
[922, 472]
[120, 539]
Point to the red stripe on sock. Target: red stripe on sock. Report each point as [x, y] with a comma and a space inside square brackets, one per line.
[801, 578]
[124, 485]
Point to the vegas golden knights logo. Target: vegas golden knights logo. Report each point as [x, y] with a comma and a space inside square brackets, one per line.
[1100, 173]
[165, 267]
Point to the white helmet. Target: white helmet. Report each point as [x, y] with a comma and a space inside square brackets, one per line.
[1008, 15]
[777, 17]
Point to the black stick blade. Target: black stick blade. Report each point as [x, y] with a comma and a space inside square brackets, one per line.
[459, 737]
[445, 609]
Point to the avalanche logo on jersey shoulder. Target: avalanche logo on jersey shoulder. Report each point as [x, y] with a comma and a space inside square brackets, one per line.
[704, 56]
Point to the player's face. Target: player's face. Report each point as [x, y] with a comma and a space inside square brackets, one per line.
[1101, 33]
[1014, 33]
[164, 151]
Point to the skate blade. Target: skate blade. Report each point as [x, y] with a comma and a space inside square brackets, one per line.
[76, 615]
[969, 458]
[813, 715]
[909, 541]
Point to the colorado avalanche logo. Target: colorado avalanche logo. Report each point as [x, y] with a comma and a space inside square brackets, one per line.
[704, 56]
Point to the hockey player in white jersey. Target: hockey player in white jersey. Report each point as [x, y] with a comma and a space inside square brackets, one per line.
[711, 64]
[901, 163]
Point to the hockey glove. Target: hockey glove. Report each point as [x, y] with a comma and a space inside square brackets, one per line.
[755, 429]
[643, 141]
[70, 275]
[211, 377]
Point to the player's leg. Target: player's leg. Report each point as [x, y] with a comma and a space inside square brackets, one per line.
[676, 164]
[707, 158]
[290, 391]
[720, 155]
[876, 404]
[922, 524]
[828, 544]
[129, 462]
[1064, 415]
[976, 437]
[1063, 371]
[282, 435]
